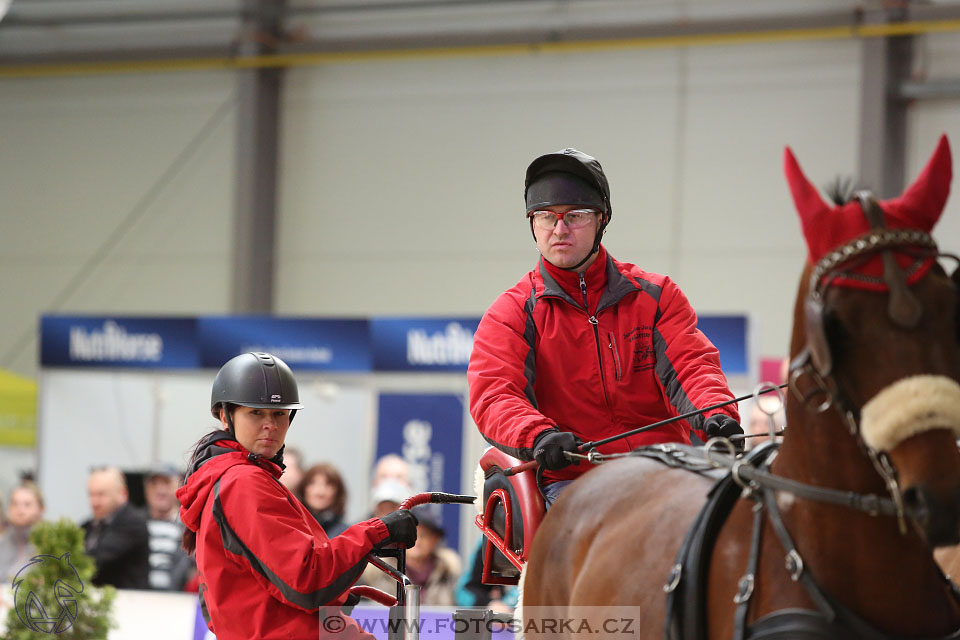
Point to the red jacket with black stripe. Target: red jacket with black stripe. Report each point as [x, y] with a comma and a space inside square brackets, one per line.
[265, 564]
[599, 355]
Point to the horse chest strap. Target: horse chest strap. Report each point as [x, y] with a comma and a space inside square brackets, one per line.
[747, 582]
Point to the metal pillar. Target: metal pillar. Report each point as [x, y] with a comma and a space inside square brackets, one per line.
[886, 65]
[254, 232]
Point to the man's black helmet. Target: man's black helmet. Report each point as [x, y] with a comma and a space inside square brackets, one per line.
[584, 168]
[257, 380]
[570, 161]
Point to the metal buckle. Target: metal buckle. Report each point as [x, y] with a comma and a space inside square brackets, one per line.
[673, 579]
[744, 589]
[794, 564]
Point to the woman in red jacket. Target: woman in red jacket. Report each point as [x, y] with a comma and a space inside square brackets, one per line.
[266, 567]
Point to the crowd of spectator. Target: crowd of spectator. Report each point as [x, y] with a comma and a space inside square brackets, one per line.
[139, 547]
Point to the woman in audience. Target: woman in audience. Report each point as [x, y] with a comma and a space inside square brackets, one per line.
[325, 496]
[24, 510]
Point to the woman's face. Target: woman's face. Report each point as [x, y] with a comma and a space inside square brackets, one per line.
[24, 509]
[319, 494]
[260, 431]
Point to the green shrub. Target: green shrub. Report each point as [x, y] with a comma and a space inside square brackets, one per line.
[60, 581]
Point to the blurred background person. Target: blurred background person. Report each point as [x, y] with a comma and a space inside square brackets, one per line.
[390, 467]
[430, 564]
[292, 477]
[325, 495]
[24, 510]
[387, 496]
[116, 535]
[170, 566]
[471, 592]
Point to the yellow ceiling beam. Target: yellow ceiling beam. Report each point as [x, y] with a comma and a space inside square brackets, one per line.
[293, 60]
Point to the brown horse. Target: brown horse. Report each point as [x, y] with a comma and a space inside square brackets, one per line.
[873, 414]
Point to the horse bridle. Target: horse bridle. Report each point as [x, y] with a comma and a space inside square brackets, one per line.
[816, 362]
[903, 308]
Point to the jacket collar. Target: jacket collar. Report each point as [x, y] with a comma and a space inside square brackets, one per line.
[601, 277]
[216, 453]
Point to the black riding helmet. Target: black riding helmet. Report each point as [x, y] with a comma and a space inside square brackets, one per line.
[596, 191]
[257, 380]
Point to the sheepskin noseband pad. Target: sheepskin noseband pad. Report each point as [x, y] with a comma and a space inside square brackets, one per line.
[908, 407]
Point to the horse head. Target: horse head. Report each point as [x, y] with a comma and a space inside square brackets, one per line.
[878, 337]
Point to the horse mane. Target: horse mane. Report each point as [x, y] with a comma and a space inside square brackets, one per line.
[841, 189]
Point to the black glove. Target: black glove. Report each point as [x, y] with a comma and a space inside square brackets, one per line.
[402, 527]
[721, 425]
[549, 446]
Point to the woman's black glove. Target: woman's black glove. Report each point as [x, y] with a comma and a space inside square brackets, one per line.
[401, 527]
[352, 600]
[550, 445]
[721, 425]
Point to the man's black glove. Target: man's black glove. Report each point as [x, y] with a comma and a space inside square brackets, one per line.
[721, 425]
[549, 446]
[402, 527]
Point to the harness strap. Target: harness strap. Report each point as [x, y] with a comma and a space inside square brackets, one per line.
[794, 561]
[748, 581]
[748, 475]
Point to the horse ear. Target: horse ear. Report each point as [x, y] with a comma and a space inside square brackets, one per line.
[805, 196]
[810, 206]
[924, 200]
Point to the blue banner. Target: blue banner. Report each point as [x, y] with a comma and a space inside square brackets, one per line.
[314, 344]
[427, 432]
[142, 343]
[303, 343]
[422, 344]
[729, 335]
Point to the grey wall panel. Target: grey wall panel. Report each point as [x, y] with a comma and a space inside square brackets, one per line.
[402, 182]
[83, 157]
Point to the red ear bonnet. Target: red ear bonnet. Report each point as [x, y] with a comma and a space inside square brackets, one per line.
[827, 227]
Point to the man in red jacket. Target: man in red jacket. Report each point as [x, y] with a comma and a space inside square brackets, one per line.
[584, 346]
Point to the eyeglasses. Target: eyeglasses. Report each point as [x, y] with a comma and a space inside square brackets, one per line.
[574, 219]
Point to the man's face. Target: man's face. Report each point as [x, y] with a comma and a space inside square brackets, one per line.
[106, 492]
[565, 247]
[391, 468]
[160, 494]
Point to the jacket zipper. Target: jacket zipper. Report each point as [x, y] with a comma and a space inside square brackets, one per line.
[596, 334]
[616, 354]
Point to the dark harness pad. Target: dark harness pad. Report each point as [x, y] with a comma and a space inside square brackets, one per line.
[796, 624]
[686, 604]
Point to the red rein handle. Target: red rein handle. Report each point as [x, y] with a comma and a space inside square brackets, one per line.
[436, 497]
[520, 468]
[372, 593]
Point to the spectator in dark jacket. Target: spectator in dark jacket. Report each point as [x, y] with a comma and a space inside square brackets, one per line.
[116, 535]
[170, 566]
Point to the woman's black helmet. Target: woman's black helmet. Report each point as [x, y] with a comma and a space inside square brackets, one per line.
[257, 380]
